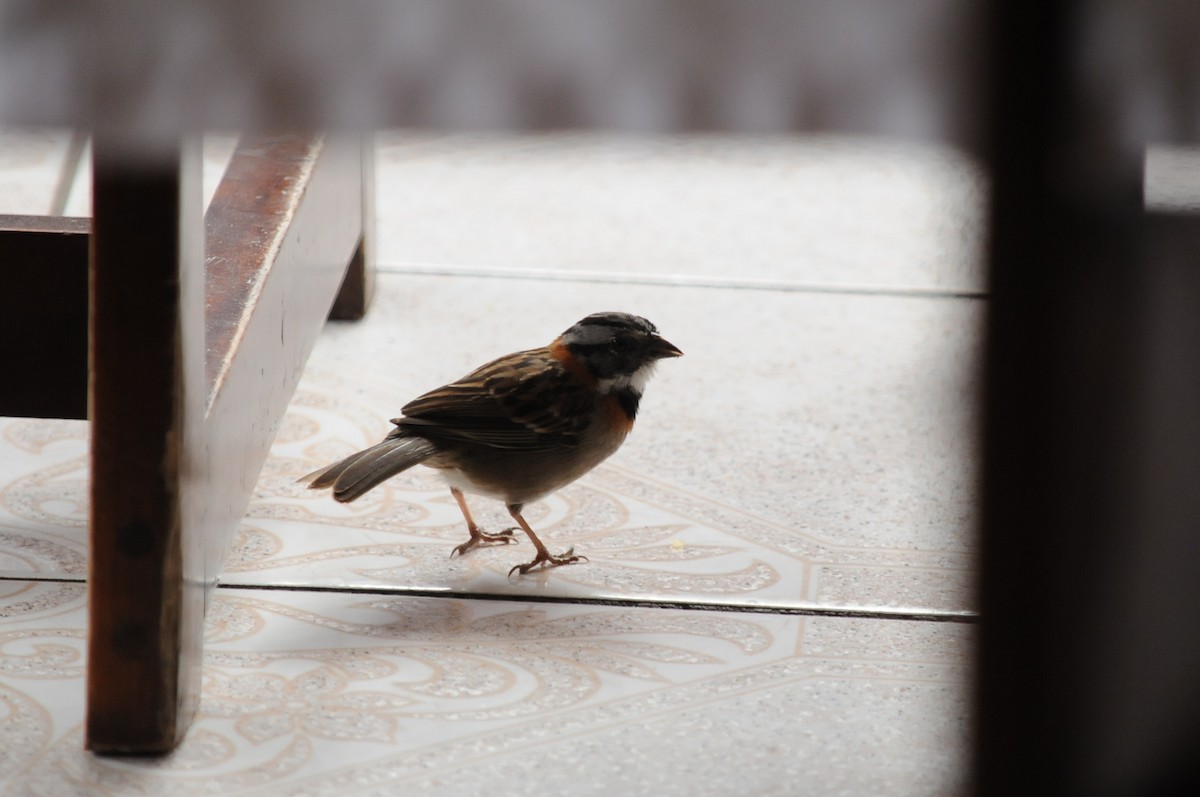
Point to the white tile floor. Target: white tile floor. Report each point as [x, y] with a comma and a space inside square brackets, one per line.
[779, 588]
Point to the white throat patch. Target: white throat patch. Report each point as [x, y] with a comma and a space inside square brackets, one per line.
[635, 381]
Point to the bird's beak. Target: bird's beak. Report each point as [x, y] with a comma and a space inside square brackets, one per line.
[661, 348]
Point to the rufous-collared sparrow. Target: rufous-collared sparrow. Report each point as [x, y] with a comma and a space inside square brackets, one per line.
[519, 427]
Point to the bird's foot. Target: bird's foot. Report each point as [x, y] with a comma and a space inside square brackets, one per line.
[481, 539]
[545, 561]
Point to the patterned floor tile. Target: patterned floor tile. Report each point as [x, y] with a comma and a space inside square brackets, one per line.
[43, 494]
[810, 451]
[806, 451]
[824, 210]
[847, 480]
[320, 694]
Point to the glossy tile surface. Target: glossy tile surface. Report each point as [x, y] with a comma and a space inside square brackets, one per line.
[808, 450]
[811, 210]
[813, 451]
[350, 694]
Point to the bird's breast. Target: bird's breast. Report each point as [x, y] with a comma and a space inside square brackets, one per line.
[619, 410]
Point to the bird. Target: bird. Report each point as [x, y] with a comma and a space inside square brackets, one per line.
[519, 427]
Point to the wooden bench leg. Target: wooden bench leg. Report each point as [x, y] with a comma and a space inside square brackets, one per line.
[145, 580]
[358, 288]
[189, 386]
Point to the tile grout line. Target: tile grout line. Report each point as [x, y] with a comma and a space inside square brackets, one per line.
[672, 280]
[808, 611]
[966, 617]
[14, 575]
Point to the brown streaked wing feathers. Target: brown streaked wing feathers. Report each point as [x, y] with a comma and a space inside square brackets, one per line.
[524, 401]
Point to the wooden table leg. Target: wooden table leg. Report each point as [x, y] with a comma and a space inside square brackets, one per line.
[146, 581]
[358, 287]
[189, 385]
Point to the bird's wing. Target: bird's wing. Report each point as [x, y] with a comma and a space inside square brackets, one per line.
[523, 401]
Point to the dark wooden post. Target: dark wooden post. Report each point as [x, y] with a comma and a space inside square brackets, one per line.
[146, 577]
[194, 357]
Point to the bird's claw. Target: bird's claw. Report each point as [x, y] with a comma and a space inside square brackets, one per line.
[547, 561]
[483, 539]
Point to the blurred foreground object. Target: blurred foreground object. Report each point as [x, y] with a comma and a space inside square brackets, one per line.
[150, 70]
[1091, 539]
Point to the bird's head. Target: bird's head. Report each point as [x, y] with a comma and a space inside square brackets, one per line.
[618, 349]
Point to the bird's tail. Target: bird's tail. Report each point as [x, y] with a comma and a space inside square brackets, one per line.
[360, 472]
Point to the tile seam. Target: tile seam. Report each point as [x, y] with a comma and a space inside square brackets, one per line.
[674, 280]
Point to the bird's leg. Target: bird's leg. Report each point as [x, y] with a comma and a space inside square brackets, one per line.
[478, 536]
[543, 558]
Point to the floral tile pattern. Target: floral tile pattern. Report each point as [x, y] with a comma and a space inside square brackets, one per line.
[43, 490]
[322, 693]
[836, 501]
[778, 597]
[854, 489]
